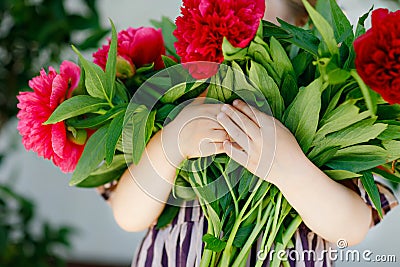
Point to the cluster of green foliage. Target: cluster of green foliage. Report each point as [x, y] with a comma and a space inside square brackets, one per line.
[20, 245]
[34, 33]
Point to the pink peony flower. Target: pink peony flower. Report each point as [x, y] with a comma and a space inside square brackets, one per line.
[138, 47]
[49, 141]
[204, 23]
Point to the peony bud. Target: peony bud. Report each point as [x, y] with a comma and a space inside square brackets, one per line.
[125, 68]
[78, 137]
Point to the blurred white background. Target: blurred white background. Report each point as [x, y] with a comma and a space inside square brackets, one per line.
[99, 239]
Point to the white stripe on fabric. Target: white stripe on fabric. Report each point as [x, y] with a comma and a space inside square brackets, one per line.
[199, 244]
[161, 239]
[170, 246]
[145, 247]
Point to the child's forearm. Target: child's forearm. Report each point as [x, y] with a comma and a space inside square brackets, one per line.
[144, 188]
[328, 208]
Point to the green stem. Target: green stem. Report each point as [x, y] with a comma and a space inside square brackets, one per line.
[275, 227]
[253, 236]
[208, 255]
[230, 188]
[290, 231]
[254, 207]
[226, 256]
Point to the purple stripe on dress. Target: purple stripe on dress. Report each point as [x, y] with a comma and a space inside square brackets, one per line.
[368, 200]
[188, 214]
[164, 260]
[139, 252]
[325, 259]
[205, 227]
[178, 251]
[384, 200]
[303, 231]
[150, 250]
[291, 260]
[186, 244]
[253, 255]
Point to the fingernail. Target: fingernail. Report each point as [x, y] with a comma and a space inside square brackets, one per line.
[235, 102]
[220, 116]
[224, 108]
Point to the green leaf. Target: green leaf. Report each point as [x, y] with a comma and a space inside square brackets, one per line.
[393, 149]
[302, 38]
[367, 180]
[182, 189]
[323, 28]
[246, 181]
[359, 158]
[301, 62]
[166, 217]
[106, 173]
[281, 61]
[387, 174]
[302, 116]
[259, 76]
[231, 52]
[119, 162]
[338, 76]
[95, 79]
[289, 89]
[139, 120]
[360, 132]
[113, 134]
[93, 181]
[360, 29]
[150, 124]
[369, 98]
[388, 112]
[111, 65]
[167, 29]
[323, 157]
[331, 11]
[168, 62]
[95, 121]
[339, 175]
[340, 118]
[92, 156]
[242, 235]
[391, 132]
[213, 243]
[177, 91]
[75, 106]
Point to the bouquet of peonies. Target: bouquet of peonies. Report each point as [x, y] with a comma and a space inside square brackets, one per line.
[335, 89]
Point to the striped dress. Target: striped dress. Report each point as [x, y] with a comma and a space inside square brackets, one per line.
[180, 243]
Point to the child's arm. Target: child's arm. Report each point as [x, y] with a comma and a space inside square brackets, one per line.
[143, 190]
[328, 208]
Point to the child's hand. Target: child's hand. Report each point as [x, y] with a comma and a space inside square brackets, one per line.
[195, 132]
[259, 142]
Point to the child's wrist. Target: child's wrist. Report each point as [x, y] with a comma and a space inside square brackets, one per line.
[289, 172]
[170, 145]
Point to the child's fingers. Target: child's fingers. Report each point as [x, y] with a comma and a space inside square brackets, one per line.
[236, 153]
[247, 110]
[243, 121]
[234, 131]
[218, 136]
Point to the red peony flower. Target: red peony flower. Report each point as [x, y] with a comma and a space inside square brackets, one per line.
[378, 55]
[49, 141]
[138, 47]
[204, 23]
